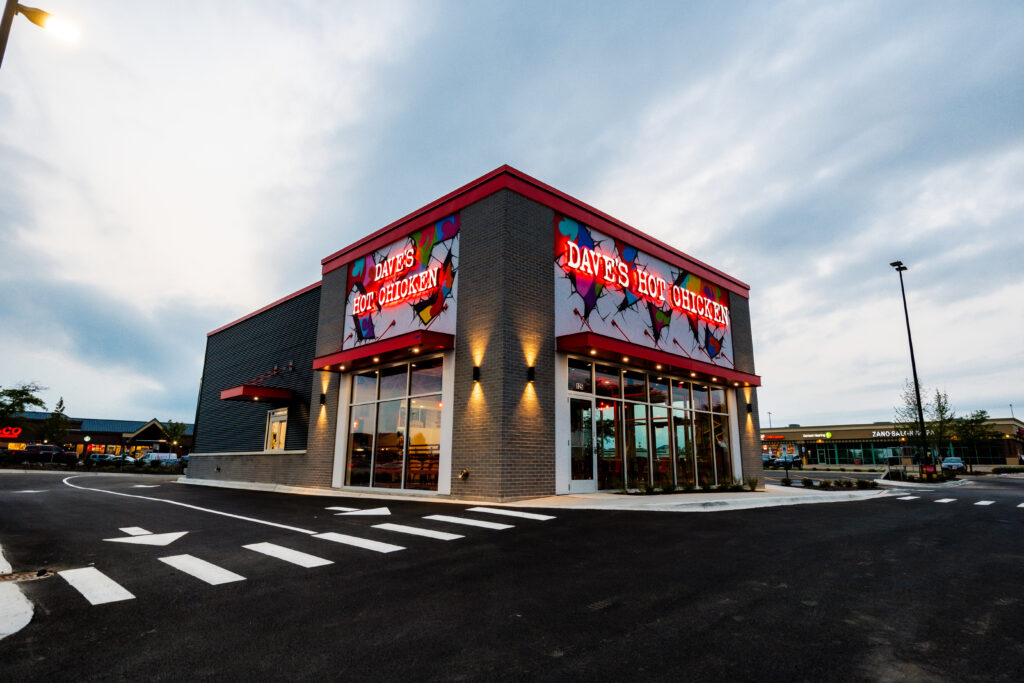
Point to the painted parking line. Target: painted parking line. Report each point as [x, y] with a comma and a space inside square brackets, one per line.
[416, 531]
[288, 555]
[469, 522]
[133, 531]
[908, 498]
[984, 502]
[1021, 505]
[95, 586]
[946, 500]
[201, 569]
[366, 543]
[512, 513]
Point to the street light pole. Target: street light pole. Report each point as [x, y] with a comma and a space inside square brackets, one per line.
[769, 419]
[898, 265]
[36, 16]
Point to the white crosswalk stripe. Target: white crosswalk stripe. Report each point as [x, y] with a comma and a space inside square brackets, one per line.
[908, 498]
[469, 522]
[417, 531]
[946, 500]
[288, 555]
[201, 569]
[984, 502]
[95, 586]
[366, 543]
[512, 513]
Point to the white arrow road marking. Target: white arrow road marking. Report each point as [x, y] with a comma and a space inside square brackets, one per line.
[337, 509]
[511, 513]
[201, 569]
[67, 481]
[133, 530]
[145, 486]
[469, 522]
[1021, 505]
[30, 491]
[984, 502]
[371, 511]
[360, 542]
[150, 539]
[416, 531]
[15, 609]
[946, 500]
[95, 586]
[908, 498]
[288, 555]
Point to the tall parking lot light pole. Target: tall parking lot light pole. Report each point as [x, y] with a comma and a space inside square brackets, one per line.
[38, 17]
[898, 265]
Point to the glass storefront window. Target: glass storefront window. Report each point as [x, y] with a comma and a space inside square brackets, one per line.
[717, 400]
[579, 376]
[703, 449]
[581, 449]
[723, 455]
[389, 445]
[393, 382]
[701, 400]
[607, 381]
[608, 417]
[638, 466]
[662, 453]
[682, 424]
[426, 377]
[421, 466]
[394, 431]
[364, 387]
[634, 385]
[658, 387]
[360, 445]
[681, 395]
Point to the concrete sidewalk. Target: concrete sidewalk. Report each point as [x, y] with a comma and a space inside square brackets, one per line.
[772, 496]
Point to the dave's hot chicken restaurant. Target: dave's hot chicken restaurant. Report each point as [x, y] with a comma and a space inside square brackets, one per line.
[505, 341]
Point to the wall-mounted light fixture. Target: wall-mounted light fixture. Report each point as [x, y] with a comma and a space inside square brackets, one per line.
[750, 407]
[323, 399]
[476, 373]
[531, 373]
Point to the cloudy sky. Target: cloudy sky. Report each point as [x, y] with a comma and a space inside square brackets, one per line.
[174, 170]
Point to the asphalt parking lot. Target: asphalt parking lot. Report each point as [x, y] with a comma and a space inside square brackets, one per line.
[921, 584]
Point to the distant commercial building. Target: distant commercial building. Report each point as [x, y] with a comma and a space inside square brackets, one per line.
[502, 342]
[875, 443]
[90, 435]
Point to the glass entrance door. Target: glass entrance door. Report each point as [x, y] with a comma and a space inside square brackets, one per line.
[581, 446]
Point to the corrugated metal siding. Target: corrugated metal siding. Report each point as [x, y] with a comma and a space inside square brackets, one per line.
[245, 351]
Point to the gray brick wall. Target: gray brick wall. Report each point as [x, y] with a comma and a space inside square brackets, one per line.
[504, 429]
[743, 356]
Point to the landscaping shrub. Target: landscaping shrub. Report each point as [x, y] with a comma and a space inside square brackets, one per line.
[786, 481]
[1007, 469]
[807, 482]
[751, 483]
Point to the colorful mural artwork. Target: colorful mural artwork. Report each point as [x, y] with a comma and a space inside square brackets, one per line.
[610, 288]
[408, 286]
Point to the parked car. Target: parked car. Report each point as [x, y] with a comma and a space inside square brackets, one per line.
[47, 453]
[953, 465]
[790, 462]
[159, 460]
[767, 460]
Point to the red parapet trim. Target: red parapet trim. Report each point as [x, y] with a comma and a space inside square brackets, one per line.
[426, 341]
[506, 177]
[249, 392]
[265, 308]
[583, 342]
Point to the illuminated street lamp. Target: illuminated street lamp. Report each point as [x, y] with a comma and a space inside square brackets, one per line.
[898, 265]
[54, 25]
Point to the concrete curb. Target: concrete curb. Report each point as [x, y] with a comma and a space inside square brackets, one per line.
[670, 503]
[919, 484]
[15, 609]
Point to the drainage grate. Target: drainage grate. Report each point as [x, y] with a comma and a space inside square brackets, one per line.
[27, 576]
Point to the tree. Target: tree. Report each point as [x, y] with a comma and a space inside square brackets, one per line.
[906, 417]
[55, 429]
[19, 399]
[175, 431]
[941, 421]
[972, 429]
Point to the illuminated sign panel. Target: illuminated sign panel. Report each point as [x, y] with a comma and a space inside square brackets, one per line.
[10, 432]
[611, 288]
[408, 286]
